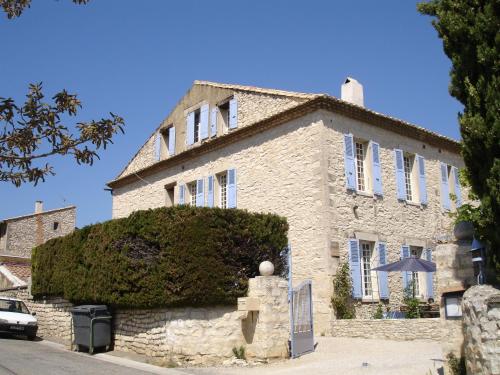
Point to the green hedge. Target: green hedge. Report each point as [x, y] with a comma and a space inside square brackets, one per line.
[176, 256]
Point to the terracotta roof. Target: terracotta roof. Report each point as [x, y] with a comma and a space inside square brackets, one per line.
[319, 102]
[256, 89]
[20, 270]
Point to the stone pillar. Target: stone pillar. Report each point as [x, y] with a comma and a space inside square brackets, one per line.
[266, 331]
[481, 309]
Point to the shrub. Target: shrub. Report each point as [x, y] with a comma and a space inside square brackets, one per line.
[456, 365]
[176, 256]
[412, 303]
[239, 353]
[341, 299]
[379, 313]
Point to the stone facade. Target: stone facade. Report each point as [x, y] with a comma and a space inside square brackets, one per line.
[481, 309]
[296, 169]
[195, 335]
[22, 233]
[390, 329]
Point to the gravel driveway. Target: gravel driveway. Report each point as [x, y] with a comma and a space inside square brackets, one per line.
[346, 356]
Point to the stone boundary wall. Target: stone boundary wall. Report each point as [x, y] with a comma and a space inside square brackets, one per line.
[481, 320]
[391, 329]
[197, 335]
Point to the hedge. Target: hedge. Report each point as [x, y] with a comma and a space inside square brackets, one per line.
[176, 256]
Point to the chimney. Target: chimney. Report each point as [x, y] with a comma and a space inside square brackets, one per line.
[38, 207]
[352, 92]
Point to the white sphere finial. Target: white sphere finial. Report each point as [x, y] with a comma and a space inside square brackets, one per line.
[266, 268]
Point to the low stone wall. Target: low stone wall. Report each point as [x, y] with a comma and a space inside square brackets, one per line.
[197, 335]
[481, 319]
[391, 329]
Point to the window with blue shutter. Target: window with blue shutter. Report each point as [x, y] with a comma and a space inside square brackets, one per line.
[200, 193]
[405, 253]
[422, 186]
[429, 275]
[171, 141]
[382, 276]
[445, 190]
[210, 198]
[231, 188]
[350, 171]
[376, 169]
[213, 122]
[190, 128]
[204, 112]
[182, 194]
[355, 267]
[233, 113]
[456, 180]
[158, 146]
[400, 174]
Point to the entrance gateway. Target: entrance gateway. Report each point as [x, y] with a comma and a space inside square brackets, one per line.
[301, 314]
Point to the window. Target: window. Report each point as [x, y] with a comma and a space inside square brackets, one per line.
[3, 236]
[197, 120]
[360, 165]
[408, 164]
[167, 147]
[55, 225]
[192, 193]
[225, 115]
[169, 198]
[366, 258]
[223, 190]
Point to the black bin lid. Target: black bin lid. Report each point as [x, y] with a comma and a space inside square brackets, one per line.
[90, 309]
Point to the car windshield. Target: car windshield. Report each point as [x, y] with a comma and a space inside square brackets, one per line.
[13, 306]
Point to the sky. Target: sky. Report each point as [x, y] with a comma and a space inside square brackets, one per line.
[138, 58]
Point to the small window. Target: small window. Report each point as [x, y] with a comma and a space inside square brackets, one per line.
[224, 115]
[197, 120]
[411, 177]
[169, 198]
[55, 225]
[362, 166]
[192, 193]
[369, 277]
[165, 142]
[223, 190]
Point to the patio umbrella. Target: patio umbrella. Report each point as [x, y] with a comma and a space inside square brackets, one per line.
[411, 264]
[408, 265]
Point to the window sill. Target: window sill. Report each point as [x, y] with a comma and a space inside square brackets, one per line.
[367, 300]
[411, 203]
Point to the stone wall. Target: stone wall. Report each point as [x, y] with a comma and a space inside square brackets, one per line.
[481, 319]
[390, 329]
[26, 232]
[197, 335]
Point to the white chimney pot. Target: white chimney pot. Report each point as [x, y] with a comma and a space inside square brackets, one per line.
[352, 92]
[38, 207]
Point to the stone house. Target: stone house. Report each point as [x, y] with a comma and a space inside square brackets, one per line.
[19, 235]
[356, 186]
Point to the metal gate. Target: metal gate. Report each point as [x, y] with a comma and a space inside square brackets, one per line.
[301, 319]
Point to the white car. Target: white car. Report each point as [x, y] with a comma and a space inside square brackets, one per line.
[16, 318]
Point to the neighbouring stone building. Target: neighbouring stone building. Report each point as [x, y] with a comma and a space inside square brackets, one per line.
[354, 184]
[19, 235]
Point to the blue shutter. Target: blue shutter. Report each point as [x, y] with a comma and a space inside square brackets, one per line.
[383, 281]
[376, 169]
[158, 146]
[210, 202]
[182, 194]
[445, 189]
[355, 267]
[190, 128]
[429, 275]
[350, 170]
[405, 253]
[204, 112]
[233, 113]
[231, 188]
[422, 186]
[213, 122]
[200, 193]
[400, 174]
[171, 141]
[456, 180]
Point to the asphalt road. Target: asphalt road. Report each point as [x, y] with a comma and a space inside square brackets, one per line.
[22, 357]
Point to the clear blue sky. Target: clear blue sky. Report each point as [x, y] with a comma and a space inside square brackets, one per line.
[137, 58]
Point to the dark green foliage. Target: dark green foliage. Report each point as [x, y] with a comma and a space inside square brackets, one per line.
[412, 303]
[341, 299]
[379, 313]
[177, 256]
[471, 38]
[239, 353]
